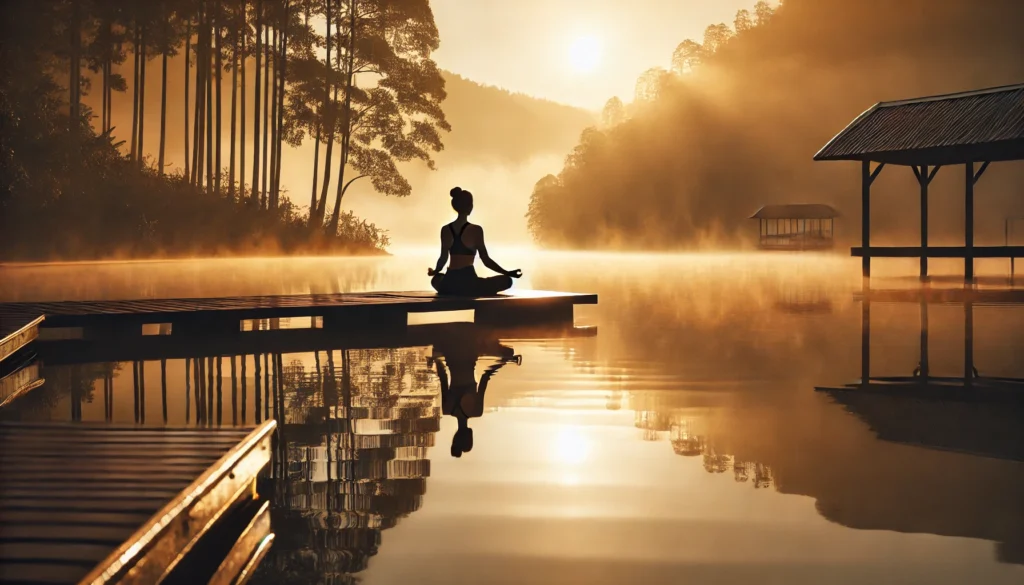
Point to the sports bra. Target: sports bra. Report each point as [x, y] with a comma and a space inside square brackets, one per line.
[457, 247]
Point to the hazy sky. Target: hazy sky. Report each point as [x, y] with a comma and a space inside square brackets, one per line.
[579, 52]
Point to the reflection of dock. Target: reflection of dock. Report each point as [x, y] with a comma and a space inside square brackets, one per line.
[103, 504]
[157, 347]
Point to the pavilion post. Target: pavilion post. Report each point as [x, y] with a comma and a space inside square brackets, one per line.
[969, 223]
[865, 224]
[922, 180]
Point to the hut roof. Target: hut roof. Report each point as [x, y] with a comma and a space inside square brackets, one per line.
[971, 126]
[796, 211]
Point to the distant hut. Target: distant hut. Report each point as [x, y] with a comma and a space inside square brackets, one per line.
[806, 226]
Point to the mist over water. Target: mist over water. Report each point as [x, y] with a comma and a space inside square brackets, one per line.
[684, 440]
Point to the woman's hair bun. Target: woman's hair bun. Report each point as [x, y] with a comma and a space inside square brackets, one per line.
[455, 191]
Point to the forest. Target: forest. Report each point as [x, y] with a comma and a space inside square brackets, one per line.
[354, 77]
[734, 121]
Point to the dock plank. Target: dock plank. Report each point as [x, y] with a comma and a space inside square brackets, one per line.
[87, 503]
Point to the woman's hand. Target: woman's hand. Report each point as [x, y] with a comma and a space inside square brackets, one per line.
[431, 272]
[517, 273]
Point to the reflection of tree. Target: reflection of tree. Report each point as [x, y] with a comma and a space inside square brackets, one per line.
[687, 433]
[684, 440]
[356, 433]
[652, 423]
[74, 382]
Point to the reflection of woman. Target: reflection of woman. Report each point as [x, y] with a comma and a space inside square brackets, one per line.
[462, 240]
[461, 397]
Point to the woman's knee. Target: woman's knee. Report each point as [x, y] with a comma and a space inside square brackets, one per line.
[504, 282]
[437, 282]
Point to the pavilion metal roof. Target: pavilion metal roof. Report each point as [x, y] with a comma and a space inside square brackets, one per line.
[796, 211]
[971, 126]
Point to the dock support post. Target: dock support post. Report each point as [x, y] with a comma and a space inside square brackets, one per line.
[865, 214]
[969, 223]
[561, 314]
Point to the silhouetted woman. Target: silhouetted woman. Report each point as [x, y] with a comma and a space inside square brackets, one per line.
[462, 240]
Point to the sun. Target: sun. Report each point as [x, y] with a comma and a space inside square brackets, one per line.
[585, 54]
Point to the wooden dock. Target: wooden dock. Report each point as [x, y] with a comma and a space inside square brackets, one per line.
[338, 311]
[17, 329]
[98, 504]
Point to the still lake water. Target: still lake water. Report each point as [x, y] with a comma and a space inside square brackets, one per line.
[683, 441]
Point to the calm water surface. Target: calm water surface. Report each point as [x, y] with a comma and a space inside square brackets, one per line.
[683, 441]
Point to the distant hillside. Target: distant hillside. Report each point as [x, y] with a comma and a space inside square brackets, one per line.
[500, 142]
[734, 125]
[496, 125]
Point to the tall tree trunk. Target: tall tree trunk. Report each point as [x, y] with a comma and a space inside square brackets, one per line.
[280, 107]
[75, 70]
[135, 91]
[327, 117]
[347, 120]
[316, 164]
[142, 95]
[188, 43]
[266, 115]
[197, 110]
[256, 106]
[271, 203]
[234, 120]
[163, 90]
[241, 139]
[208, 63]
[163, 113]
[105, 73]
[219, 138]
[316, 176]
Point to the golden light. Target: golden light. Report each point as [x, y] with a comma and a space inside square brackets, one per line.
[571, 446]
[585, 54]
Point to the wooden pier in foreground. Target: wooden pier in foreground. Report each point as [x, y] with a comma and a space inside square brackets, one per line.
[18, 371]
[97, 504]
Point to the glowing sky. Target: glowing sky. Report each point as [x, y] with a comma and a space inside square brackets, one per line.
[546, 48]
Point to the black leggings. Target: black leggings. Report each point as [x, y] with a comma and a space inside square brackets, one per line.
[464, 281]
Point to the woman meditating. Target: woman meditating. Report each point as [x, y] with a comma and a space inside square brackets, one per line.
[462, 240]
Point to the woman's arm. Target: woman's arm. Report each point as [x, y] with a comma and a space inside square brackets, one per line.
[488, 262]
[446, 242]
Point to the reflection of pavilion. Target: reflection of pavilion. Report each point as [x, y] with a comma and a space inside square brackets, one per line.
[974, 413]
[972, 386]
